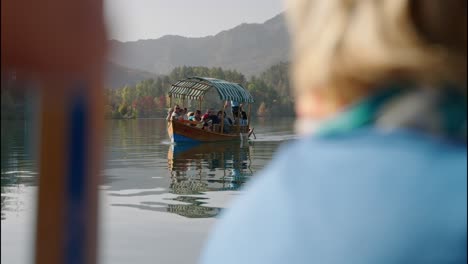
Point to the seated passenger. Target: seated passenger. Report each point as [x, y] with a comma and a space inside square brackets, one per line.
[235, 108]
[183, 114]
[244, 120]
[206, 115]
[227, 123]
[169, 114]
[191, 116]
[228, 120]
[207, 122]
[217, 118]
[175, 113]
[198, 115]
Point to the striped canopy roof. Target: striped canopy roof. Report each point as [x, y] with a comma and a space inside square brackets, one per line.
[195, 88]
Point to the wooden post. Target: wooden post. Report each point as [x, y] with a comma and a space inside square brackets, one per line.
[222, 118]
[168, 118]
[71, 117]
[70, 159]
[248, 116]
[238, 118]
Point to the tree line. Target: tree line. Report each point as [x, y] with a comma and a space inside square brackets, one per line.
[148, 98]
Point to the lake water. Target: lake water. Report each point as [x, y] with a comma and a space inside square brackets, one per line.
[158, 201]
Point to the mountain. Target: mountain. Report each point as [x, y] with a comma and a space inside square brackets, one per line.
[118, 76]
[247, 48]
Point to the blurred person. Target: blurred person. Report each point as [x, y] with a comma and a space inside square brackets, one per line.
[379, 173]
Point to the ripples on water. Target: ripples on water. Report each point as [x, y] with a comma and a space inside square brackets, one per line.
[18, 171]
[183, 170]
[146, 181]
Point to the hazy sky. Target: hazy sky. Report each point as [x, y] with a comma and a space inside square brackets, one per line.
[146, 19]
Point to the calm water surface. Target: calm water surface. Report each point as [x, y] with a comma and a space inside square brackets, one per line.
[158, 200]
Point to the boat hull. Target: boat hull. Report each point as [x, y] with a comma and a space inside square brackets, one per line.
[181, 132]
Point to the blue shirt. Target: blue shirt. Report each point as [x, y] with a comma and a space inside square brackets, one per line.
[361, 197]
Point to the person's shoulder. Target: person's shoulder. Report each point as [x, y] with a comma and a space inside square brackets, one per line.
[375, 140]
[353, 183]
[363, 149]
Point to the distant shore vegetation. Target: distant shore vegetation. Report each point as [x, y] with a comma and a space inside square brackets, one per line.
[148, 98]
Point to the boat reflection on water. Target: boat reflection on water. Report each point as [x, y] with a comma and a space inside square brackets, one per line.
[196, 169]
[208, 167]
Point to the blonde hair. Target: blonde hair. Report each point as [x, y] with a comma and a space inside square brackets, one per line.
[350, 47]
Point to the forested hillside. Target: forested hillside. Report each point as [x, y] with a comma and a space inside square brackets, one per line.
[149, 98]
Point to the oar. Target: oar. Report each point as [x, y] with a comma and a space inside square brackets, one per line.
[252, 132]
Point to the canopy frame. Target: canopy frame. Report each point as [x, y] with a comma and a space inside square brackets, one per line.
[195, 88]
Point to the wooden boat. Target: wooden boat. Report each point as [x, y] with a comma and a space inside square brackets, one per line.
[195, 88]
[180, 131]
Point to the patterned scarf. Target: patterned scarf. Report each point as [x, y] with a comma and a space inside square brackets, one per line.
[439, 112]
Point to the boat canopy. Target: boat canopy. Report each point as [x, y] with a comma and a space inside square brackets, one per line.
[195, 88]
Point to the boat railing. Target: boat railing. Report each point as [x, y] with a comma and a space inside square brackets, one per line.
[217, 127]
[233, 130]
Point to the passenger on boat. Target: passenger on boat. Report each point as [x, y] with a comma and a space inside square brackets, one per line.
[195, 118]
[207, 114]
[191, 116]
[227, 121]
[169, 114]
[209, 118]
[198, 115]
[243, 119]
[217, 118]
[185, 113]
[378, 171]
[235, 108]
[174, 114]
